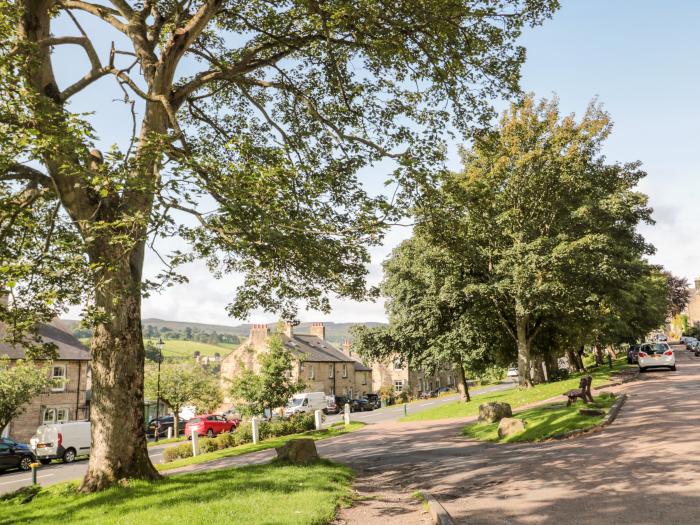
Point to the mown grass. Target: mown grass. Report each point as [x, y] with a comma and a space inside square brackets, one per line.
[179, 348]
[542, 422]
[166, 441]
[316, 435]
[516, 397]
[274, 493]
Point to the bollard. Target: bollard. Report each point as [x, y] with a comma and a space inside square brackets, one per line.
[195, 442]
[256, 430]
[346, 415]
[34, 466]
[170, 432]
[405, 409]
[317, 419]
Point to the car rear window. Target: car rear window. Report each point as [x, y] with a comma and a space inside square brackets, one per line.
[658, 348]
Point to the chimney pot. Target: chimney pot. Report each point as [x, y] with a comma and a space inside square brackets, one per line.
[318, 330]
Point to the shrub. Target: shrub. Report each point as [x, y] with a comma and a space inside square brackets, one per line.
[183, 450]
[208, 445]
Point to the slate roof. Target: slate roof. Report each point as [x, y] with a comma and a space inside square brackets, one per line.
[69, 347]
[316, 349]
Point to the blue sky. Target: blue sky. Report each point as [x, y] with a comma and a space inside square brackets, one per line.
[639, 57]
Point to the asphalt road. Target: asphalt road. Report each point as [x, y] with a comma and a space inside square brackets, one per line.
[59, 472]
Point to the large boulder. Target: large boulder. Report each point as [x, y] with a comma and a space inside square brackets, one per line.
[510, 425]
[300, 451]
[493, 412]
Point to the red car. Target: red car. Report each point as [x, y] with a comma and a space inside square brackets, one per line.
[210, 424]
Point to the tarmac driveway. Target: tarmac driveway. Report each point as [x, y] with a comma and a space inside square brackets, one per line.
[644, 469]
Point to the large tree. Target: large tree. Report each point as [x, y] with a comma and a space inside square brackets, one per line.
[547, 226]
[248, 123]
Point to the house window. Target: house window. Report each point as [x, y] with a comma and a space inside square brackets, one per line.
[58, 375]
[364, 378]
[345, 370]
[301, 366]
[398, 386]
[312, 374]
[397, 364]
[331, 371]
[55, 415]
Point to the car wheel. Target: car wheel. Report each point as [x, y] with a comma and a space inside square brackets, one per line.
[25, 463]
[45, 461]
[673, 368]
[642, 369]
[69, 455]
[210, 433]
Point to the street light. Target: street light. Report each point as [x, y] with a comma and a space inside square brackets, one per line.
[159, 345]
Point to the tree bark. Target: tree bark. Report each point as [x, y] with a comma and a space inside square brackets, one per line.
[462, 385]
[524, 357]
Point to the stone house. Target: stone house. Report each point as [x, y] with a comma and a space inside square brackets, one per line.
[68, 402]
[319, 364]
[403, 378]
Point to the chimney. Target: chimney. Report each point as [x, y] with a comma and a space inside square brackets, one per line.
[347, 347]
[318, 330]
[258, 335]
[288, 329]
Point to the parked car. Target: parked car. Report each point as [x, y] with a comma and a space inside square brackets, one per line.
[331, 406]
[15, 455]
[441, 390]
[512, 373]
[374, 400]
[163, 423]
[210, 424]
[63, 441]
[360, 405]
[306, 402]
[656, 355]
[632, 354]
[690, 343]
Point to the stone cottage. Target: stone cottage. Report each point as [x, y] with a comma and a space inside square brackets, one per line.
[68, 402]
[319, 364]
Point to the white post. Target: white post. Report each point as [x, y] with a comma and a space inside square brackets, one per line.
[256, 430]
[170, 432]
[346, 416]
[317, 419]
[195, 442]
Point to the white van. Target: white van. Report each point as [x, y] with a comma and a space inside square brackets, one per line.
[61, 441]
[306, 402]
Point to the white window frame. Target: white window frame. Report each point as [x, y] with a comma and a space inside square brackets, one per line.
[312, 372]
[398, 385]
[62, 386]
[397, 364]
[54, 413]
[66, 415]
[52, 419]
[345, 370]
[301, 366]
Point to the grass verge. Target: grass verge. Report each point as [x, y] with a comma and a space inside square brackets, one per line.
[276, 493]
[316, 435]
[542, 422]
[167, 441]
[517, 397]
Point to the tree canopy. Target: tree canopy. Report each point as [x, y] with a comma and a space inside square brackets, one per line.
[20, 381]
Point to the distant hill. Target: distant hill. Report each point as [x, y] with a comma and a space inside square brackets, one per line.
[335, 332]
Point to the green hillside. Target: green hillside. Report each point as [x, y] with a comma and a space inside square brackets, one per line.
[178, 348]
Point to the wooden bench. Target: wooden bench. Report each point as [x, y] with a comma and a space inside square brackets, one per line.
[583, 391]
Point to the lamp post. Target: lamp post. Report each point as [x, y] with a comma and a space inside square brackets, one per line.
[159, 345]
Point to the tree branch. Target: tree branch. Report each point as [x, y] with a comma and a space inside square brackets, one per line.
[105, 13]
[78, 40]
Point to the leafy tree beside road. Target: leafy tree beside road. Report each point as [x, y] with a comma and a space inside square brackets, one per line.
[20, 381]
[272, 386]
[183, 384]
[247, 125]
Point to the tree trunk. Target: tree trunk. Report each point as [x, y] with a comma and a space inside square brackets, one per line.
[176, 423]
[462, 385]
[537, 370]
[118, 436]
[523, 352]
[575, 364]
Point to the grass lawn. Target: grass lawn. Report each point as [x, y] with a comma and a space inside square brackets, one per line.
[274, 493]
[316, 435]
[516, 397]
[179, 348]
[542, 422]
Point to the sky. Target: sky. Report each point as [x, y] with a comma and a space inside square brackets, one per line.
[638, 57]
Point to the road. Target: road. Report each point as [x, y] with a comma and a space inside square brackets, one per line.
[59, 472]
